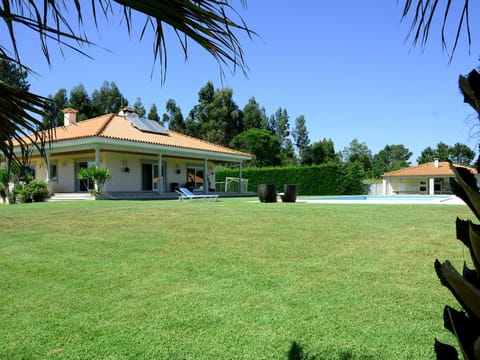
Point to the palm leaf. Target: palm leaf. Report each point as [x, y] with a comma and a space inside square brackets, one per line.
[209, 23]
[423, 13]
[206, 22]
[18, 122]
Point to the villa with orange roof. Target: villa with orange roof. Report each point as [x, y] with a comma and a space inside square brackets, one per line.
[142, 156]
[426, 179]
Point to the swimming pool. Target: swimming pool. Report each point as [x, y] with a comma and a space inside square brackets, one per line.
[394, 199]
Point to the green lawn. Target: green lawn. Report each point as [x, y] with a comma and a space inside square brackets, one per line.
[236, 279]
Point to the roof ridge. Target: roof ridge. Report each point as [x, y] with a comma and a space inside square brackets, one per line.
[102, 128]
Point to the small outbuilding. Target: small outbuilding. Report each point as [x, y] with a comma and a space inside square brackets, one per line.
[431, 178]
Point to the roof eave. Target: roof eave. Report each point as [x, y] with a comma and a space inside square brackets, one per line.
[87, 143]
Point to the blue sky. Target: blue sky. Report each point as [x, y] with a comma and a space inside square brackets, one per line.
[344, 65]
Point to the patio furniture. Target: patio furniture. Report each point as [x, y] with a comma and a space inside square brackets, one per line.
[186, 194]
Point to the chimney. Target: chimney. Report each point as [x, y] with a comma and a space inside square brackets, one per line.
[435, 162]
[70, 116]
[126, 111]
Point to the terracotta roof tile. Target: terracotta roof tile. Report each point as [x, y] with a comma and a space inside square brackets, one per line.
[427, 169]
[118, 127]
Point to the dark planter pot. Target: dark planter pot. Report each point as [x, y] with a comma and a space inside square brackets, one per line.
[290, 193]
[267, 193]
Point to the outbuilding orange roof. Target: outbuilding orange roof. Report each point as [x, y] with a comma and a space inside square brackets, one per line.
[427, 169]
[119, 127]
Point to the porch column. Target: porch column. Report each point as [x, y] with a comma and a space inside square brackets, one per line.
[240, 179]
[97, 163]
[160, 189]
[384, 187]
[97, 156]
[206, 185]
[431, 186]
[47, 172]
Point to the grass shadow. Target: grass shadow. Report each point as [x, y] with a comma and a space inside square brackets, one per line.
[297, 352]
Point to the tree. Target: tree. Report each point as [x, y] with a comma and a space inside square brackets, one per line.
[427, 155]
[288, 154]
[300, 136]
[461, 154]
[392, 157]
[80, 101]
[173, 117]
[53, 116]
[139, 108]
[108, 99]
[360, 153]
[442, 151]
[13, 75]
[221, 119]
[323, 152]
[153, 113]
[260, 143]
[208, 23]
[216, 118]
[254, 117]
[279, 125]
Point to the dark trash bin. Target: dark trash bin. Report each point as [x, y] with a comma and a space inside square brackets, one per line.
[289, 193]
[267, 193]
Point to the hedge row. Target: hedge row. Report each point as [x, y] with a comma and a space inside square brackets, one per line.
[324, 179]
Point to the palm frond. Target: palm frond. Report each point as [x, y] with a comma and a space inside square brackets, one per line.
[207, 23]
[18, 122]
[213, 24]
[422, 14]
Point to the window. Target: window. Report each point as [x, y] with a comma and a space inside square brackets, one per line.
[423, 186]
[53, 172]
[28, 172]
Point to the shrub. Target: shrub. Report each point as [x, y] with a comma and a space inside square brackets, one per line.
[34, 191]
[98, 175]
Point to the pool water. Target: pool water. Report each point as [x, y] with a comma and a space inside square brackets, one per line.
[389, 198]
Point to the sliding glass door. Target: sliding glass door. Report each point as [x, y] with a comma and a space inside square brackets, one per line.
[151, 178]
[195, 177]
[83, 185]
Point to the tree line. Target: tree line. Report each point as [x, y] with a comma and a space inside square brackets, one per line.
[271, 138]
[218, 119]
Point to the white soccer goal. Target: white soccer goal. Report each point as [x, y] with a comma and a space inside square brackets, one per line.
[232, 183]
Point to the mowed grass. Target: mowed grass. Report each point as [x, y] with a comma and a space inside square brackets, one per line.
[236, 279]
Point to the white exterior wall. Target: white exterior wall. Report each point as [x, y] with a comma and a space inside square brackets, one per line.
[403, 186]
[120, 180]
[66, 176]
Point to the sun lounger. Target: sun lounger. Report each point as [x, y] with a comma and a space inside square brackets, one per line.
[186, 194]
